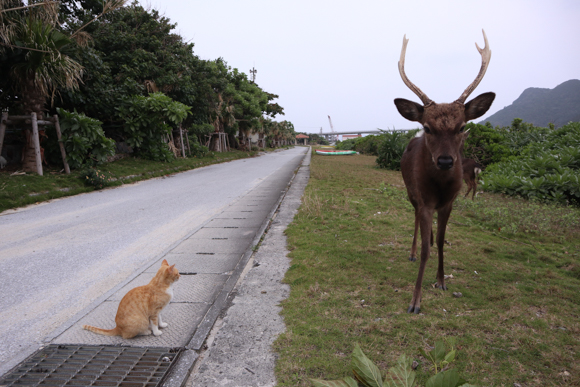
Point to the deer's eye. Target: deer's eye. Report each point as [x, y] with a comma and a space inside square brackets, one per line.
[462, 129]
[426, 129]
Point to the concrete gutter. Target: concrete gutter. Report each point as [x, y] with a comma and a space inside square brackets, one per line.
[238, 349]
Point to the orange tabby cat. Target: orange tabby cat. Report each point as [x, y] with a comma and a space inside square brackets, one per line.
[139, 311]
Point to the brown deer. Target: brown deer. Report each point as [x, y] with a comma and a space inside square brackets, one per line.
[431, 164]
[471, 169]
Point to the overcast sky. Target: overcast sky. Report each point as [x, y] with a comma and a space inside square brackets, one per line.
[339, 58]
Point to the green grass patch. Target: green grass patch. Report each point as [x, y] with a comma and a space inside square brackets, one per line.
[21, 190]
[515, 262]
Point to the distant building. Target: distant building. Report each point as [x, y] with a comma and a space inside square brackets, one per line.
[302, 137]
[349, 136]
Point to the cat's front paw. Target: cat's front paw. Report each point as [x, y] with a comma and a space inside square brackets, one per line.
[157, 332]
[163, 325]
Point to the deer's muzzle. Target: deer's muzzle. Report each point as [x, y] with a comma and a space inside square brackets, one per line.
[445, 162]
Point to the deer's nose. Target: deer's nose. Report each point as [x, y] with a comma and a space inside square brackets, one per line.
[445, 162]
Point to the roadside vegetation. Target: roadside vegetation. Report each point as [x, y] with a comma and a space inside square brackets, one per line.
[121, 82]
[513, 264]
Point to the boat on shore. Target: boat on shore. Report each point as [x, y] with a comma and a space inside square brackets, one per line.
[335, 152]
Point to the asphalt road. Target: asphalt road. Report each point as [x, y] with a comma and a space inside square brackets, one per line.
[58, 257]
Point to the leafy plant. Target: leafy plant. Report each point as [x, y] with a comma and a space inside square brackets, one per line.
[146, 124]
[391, 150]
[96, 178]
[84, 140]
[547, 171]
[438, 355]
[485, 144]
[367, 374]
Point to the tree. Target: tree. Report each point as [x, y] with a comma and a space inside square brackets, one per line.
[36, 54]
[134, 52]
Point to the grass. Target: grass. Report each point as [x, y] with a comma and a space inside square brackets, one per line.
[21, 190]
[516, 264]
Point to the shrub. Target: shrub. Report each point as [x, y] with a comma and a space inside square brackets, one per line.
[201, 130]
[83, 139]
[197, 150]
[485, 144]
[391, 149]
[547, 171]
[96, 178]
[146, 124]
[346, 144]
[368, 145]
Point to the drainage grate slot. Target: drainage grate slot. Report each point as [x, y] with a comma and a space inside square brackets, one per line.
[220, 239]
[206, 253]
[83, 366]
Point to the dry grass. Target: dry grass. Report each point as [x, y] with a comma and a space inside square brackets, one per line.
[516, 264]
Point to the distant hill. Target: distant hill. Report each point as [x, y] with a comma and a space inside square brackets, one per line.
[540, 107]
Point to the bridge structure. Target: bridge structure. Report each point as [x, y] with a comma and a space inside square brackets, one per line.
[328, 136]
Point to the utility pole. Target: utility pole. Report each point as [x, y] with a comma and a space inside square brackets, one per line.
[253, 71]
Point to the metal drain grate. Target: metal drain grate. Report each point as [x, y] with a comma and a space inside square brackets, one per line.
[87, 365]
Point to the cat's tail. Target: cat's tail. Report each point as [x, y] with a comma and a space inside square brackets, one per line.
[107, 332]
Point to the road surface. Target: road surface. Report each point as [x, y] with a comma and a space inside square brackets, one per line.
[56, 258]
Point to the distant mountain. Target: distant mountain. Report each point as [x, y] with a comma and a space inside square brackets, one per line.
[540, 107]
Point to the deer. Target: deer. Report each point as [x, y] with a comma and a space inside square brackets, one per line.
[471, 169]
[431, 164]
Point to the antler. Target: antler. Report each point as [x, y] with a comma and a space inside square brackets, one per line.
[485, 58]
[426, 101]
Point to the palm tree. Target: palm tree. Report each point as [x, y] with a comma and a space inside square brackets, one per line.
[41, 63]
[222, 116]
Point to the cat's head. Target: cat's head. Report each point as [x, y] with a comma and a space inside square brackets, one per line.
[170, 273]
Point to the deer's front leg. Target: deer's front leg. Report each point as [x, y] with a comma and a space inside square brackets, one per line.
[413, 256]
[442, 219]
[426, 221]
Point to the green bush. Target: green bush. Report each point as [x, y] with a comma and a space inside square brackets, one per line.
[547, 171]
[391, 149]
[368, 145]
[201, 130]
[197, 150]
[346, 144]
[147, 122]
[485, 144]
[96, 178]
[83, 139]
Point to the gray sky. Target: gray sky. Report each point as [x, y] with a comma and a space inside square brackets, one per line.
[339, 58]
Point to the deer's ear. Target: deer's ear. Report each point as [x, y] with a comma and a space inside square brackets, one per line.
[409, 109]
[478, 106]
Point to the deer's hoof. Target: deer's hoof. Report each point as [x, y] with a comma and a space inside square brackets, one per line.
[414, 309]
[412, 258]
[442, 287]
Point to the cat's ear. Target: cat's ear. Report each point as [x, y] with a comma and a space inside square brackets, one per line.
[164, 263]
[171, 267]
